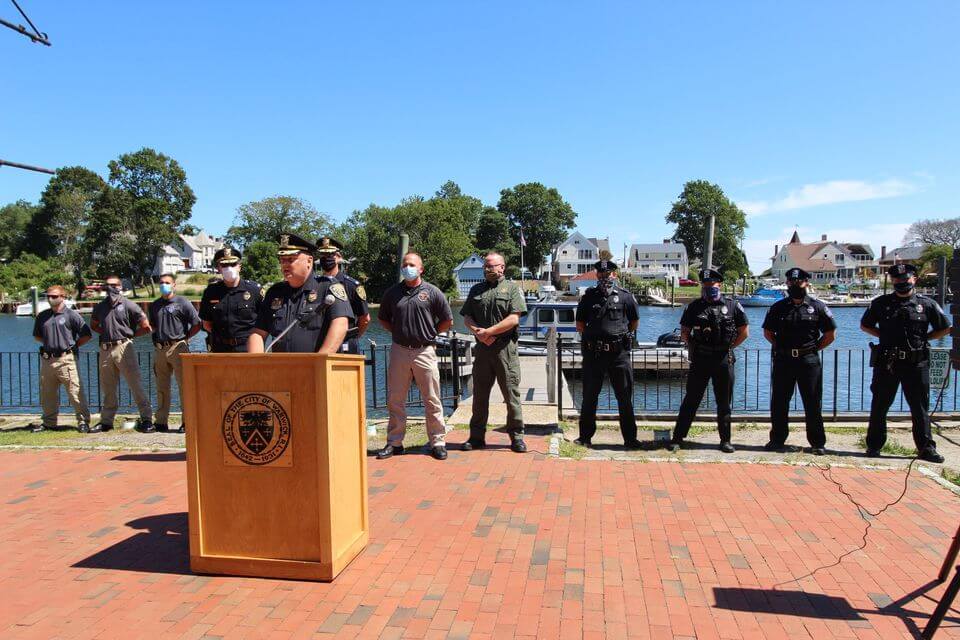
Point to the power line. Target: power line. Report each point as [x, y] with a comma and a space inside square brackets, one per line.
[36, 36]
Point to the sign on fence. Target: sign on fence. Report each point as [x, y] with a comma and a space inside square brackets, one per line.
[939, 368]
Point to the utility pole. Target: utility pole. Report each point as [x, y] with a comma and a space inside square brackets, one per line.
[17, 165]
[708, 245]
[402, 247]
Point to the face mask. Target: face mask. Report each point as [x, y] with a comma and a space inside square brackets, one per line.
[166, 289]
[410, 273]
[903, 287]
[491, 276]
[796, 291]
[711, 293]
[327, 263]
[113, 293]
[230, 274]
[605, 284]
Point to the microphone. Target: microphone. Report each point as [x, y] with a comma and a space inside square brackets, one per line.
[328, 301]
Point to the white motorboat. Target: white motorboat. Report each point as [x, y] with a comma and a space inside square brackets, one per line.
[26, 309]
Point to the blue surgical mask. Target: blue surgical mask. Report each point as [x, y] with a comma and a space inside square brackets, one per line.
[166, 289]
[711, 293]
[409, 272]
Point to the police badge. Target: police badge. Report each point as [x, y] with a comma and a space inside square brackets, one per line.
[246, 295]
[276, 303]
[312, 296]
[338, 291]
[723, 310]
[919, 308]
[361, 292]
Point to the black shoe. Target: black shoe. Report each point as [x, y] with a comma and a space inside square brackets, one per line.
[773, 446]
[674, 446]
[389, 451]
[145, 426]
[873, 453]
[633, 445]
[584, 442]
[472, 444]
[103, 426]
[439, 452]
[37, 428]
[517, 445]
[726, 447]
[931, 455]
[83, 427]
[182, 429]
[817, 451]
[161, 427]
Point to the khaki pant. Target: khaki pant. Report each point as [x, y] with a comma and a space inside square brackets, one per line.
[53, 373]
[165, 360]
[419, 364]
[115, 361]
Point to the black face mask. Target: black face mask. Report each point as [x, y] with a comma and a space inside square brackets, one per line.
[796, 291]
[606, 285]
[113, 293]
[327, 263]
[903, 287]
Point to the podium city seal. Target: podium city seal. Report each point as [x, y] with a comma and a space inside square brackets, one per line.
[256, 428]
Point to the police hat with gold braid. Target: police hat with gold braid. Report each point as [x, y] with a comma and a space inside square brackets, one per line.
[289, 244]
[605, 264]
[227, 256]
[328, 245]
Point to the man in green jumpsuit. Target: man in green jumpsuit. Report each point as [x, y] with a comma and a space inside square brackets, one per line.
[492, 312]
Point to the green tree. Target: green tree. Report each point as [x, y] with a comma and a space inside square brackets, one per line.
[109, 244]
[691, 213]
[28, 270]
[14, 220]
[542, 213]
[263, 220]
[493, 234]
[260, 263]
[929, 261]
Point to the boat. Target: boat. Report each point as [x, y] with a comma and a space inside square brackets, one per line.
[26, 309]
[764, 296]
[546, 314]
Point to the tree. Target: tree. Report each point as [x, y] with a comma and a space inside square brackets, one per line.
[945, 232]
[263, 220]
[109, 244]
[930, 258]
[691, 213]
[14, 220]
[493, 234]
[542, 213]
[29, 270]
[65, 207]
[260, 262]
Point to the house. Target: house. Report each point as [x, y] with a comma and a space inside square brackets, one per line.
[575, 256]
[188, 253]
[909, 254]
[468, 273]
[827, 261]
[169, 261]
[584, 281]
[662, 260]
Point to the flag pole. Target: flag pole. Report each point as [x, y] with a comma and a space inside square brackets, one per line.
[523, 242]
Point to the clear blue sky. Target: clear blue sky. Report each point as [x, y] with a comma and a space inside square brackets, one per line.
[837, 117]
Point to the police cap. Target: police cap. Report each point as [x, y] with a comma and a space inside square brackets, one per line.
[797, 274]
[606, 266]
[227, 256]
[328, 245]
[291, 244]
[710, 275]
[902, 270]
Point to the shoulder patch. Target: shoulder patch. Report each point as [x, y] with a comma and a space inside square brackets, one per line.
[740, 307]
[338, 291]
[361, 292]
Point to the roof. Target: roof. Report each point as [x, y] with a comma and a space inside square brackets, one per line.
[857, 247]
[471, 261]
[661, 247]
[589, 275]
[903, 254]
[602, 244]
[795, 238]
[801, 257]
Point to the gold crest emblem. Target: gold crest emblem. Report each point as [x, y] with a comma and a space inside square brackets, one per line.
[285, 240]
[312, 296]
[246, 295]
[276, 303]
[228, 252]
[325, 243]
[338, 291]
[256, 429]
[361, 292]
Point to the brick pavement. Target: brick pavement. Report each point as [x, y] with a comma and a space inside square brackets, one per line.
[485, 545]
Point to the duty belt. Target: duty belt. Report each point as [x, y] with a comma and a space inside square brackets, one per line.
[906, 355]
[167, 343]
[796, 353]
[46, 355]
[107, 344]
[233, 342]
[605, 344]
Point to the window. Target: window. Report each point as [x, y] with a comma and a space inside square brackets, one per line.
[565, 315]
[545, 316]
[569, 266]
[646, 255]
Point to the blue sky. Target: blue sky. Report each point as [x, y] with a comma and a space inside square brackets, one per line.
[836, 118]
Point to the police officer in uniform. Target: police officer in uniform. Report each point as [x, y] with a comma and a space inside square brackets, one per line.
[329, 257]
[607, 319]
[228, 309]
[315, 315]
[492, 313]
[905, 322]
[711, 326]
[798, 327]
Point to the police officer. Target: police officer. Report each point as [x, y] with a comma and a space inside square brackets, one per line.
[711, 326]
[492, 313]
[228, 309]
[61, 332]
[330, 257]
[315, 315]
[174, 322]
[607, 319]
[798, 327]
[905, 322]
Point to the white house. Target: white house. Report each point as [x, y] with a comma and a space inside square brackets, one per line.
[827, 261]
[662, 260]
[188, 253]
[169, 261]
[468, 273]
[575, 256]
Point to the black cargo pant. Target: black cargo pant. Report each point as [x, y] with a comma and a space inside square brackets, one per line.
[704, 367]
[806, 373]
[915, 379]
[616, 364]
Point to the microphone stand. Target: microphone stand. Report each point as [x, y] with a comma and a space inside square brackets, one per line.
[300, 319]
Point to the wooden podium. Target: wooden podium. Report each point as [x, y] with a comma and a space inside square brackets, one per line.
[276, 463]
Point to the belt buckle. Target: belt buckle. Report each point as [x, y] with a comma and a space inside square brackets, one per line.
[606, 346]
[45, 355]
[795, 353]
[903, 355]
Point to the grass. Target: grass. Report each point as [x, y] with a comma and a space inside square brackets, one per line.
[891, 447]
[950, 476]
[571, 450]
[26, 438]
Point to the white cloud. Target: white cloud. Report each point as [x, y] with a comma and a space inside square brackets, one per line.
[831, 192]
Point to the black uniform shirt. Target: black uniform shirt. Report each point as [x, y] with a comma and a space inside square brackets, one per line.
[904, 322]
[414, 312]
[232, 311]
[606, 316]
[798, 326]
[283, 304]
[704, 318]
[172, 319]
[355, 294]
[59, 330]
[117, 321]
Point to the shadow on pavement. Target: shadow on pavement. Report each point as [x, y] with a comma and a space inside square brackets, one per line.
[173, 456]
[162, 548]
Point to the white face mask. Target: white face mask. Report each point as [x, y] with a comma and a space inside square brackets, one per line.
[230, 274]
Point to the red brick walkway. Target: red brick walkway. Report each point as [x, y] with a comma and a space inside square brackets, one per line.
[488, 544]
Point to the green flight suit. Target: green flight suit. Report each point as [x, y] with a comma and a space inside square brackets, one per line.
[488, 304]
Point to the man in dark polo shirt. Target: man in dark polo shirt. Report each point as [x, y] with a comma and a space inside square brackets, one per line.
[414, 312]
[60, 331]
[174, 322]
[119, 321]
[317, 314]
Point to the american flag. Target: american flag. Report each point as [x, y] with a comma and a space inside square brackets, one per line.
[523, 241]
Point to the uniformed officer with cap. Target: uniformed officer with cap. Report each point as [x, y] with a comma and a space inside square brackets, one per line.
[711, 326]
[798, 327]
[607, 319]
[329, 257]
[228, 309]
[317, 314]
[905, 322]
